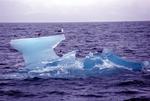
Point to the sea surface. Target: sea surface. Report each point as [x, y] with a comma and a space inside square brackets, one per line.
[129, 40]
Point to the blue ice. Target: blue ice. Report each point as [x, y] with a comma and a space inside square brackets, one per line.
[36, 50]
[41, 60]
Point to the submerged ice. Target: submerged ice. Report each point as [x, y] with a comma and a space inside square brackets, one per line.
[41, 60]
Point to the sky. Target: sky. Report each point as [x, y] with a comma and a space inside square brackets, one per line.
[74, 10]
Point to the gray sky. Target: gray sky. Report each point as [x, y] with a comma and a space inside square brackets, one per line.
[73, 10]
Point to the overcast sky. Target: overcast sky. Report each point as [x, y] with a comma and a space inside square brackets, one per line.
[73, 10]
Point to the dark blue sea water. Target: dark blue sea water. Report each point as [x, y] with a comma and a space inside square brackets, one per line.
[128, 39]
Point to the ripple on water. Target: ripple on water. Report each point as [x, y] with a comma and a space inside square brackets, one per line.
[129, 39]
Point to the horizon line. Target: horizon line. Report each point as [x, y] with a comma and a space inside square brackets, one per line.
[76, 21]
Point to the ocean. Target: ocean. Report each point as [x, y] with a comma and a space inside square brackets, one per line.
[130, 40]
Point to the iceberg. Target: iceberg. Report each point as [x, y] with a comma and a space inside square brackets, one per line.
[36, 50]
[42, 61]
[135, 66]
[109, 59]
